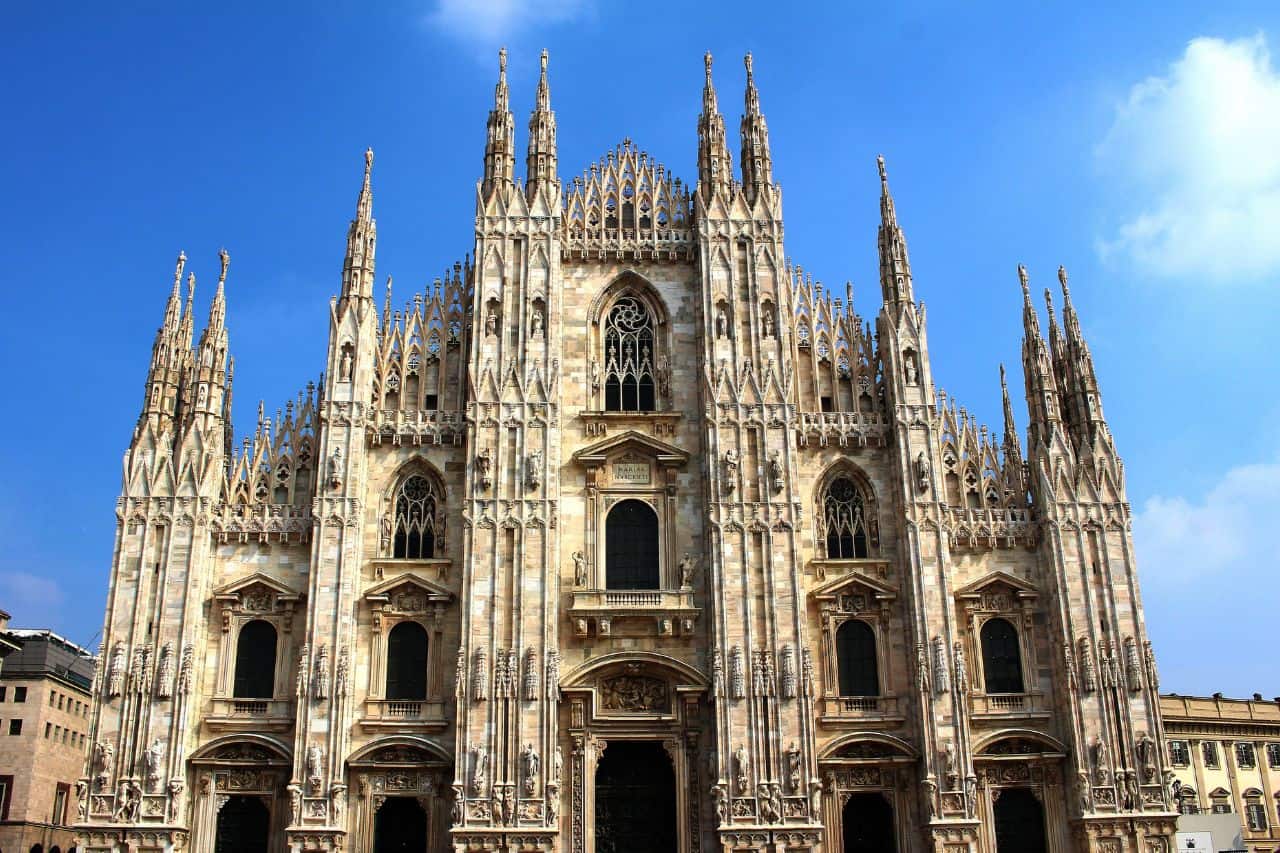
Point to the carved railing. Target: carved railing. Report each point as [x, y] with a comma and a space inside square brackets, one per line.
[260, 522]
[250, 714]
[398, 426]
[1008, 704]
[990, 527]
[845, 429]
[852, 709]
[670, 612]
[392, 713]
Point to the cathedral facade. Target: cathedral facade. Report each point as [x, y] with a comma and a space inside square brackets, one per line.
[624, 535]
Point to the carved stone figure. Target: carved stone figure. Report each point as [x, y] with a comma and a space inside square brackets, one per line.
[793, 768]
[295, 804]
[962, 672]
[557, 767]
[806, 680]
[533, 469]
[941, 671]
[722, 322]
[721, 799]
[529, 767]
[164, 674]
[923, 468]
[909, 367]
[460, 674]
[176, 788]
[128, 799]
[730, 470]
[1101, 765]
[1145, 748]
[775, 472]
[344, 366]
[479, 770]
[491, 324]
[951, 767]
[535, 325]
[687, 564]
[530, 684]
[340, 681]
[115, 672]
[480, 676]
[737, 674]
[82, 799]
[103, 761]
[322, 674]
[742, 768]
[184, 673]
[335, 469]
[788, 661]
[767, 322]
[1133, 669]
[315, 769]
[484, 464]
[1087, 671]
[153, 761]
[304, 671]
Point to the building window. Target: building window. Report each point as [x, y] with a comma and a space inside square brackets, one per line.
[1209, 751]
[19, 694]
[48, 730]
[3, 691]
[1187, 801]
[631, 547]
[255, 661]
[15, 727]
[59, 817]
[1221, 802]
[629, 357]
[417, 520]
[842, 520]
[6, 786]
[1256, 816]
[856, 659]
[1244, 755]
[1178, 753]
[1273, 755]
[407, 662]
[1001, 657]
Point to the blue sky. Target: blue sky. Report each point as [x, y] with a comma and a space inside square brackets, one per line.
[1141, 150]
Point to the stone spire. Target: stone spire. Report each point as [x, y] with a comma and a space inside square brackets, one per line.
[895, 265]
[540, 165]
[757, 164]
[715, 168]
[1012, 445]
[210, 375]
[362, 239]
[500, 135]
[1037, 366]
[1077, 377]
[169, 357]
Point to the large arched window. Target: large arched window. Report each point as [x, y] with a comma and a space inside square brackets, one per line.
[255, 661]
[417, 520]
[629, 357]
[631, 547]
[1001, 658]
[842, 520]
[856, 659]
[407, 662]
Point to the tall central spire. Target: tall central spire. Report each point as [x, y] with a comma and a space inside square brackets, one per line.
[540, 165]
[362, 239]
[895, 264]
[757, 164]
[500, 139]
[715, 169]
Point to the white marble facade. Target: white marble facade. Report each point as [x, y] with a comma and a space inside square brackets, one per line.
[628, 481]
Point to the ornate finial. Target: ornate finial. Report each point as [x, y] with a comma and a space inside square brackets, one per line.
[368, 161]
[225, 260]
[746, 60]
[1062, 277]
[1003, 384]
[884, 176]
[182, 262]
[707, 59]
[1022, 277]
[502, 62]
[1048, 300]
[544, 61]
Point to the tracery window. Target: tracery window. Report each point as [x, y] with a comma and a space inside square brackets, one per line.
[417, 522]
[629, 357]
[1001, 657]
[856, 659]
[255, 661]
[842, 520]
[407, 662]
[631, 547]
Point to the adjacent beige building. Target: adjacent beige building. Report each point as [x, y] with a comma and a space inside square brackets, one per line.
[1225, 758]
[44, 724]
[625, 535]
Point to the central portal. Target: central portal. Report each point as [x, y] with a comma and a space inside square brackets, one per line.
[400, 827]
[635, 799]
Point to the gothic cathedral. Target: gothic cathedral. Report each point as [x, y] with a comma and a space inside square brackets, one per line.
[624, 536]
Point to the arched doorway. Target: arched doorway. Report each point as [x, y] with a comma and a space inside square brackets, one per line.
[1019, 820]
[400, 826]
[635, 799]
[867, 821]
[243, 826]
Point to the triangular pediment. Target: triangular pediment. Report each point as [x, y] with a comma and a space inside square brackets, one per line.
[408, 584]
[851, 584]
[256, 585]
[665, 454]
[1020, 588]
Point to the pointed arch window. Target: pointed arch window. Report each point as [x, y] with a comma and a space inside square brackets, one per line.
[856, 659]
[629, 357]
[1001, 657]
[407, 662]
[417, 521]
[842, 520]
[255, 661]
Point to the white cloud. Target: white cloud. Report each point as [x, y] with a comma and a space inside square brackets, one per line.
[1208, 571]
[490, 23]
[31, 600]
[1195, 156]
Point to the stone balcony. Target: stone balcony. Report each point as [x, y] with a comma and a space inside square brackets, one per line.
[632, 612]
[229, 714]
[985, 528]
[844, 429]
[1009, 706]
[403, 714]
[853, 711]
[398, 426]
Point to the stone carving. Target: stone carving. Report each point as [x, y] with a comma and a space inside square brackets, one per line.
[82, 799]
[788, 662]
[315, 769]
[533, 469]
[923, 469]
[344, 365]
[950, 764]
[1153, 675]
[484, 468]
[770, 797]
[335, 469]
[153, 762]
[737, 674]
[909, 367]
[479, 770]
[741, 769]
[535, 324]
[557, 767]
[184, 671]
[1145, 749]
[1087, 671]
[962, 672]
[491, 324]
[633, 693]
[176, 789]
[579, 569]
[775, 472]
[304, 670]
[717, 672]
[807, 678]
[793, 768]
[553, 674]
[922, 669]
[1101, 766]
[460, 674]
[164, 674]
[295, 803]
[322, 674]
[1133, 669]
[722, 322]
[730, 470]
[529, 768]
[687, 565]
[340, 681]
[757, 674]
[530, 674]
[930, 796]
[480, 675]
[941, 677]
[721, 798]
[128, 799]
[115, 671]
[103, 762]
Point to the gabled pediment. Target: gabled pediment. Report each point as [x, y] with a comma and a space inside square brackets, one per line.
[408, 592]
[667, 455]
[255, 585]
[991, 583]
[854, 584]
